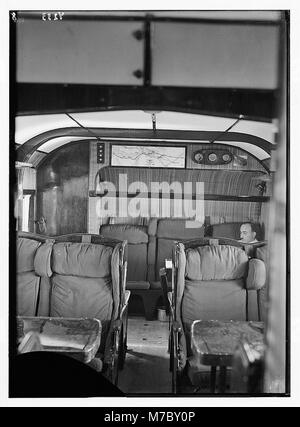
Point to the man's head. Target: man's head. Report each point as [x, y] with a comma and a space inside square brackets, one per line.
[247, 232]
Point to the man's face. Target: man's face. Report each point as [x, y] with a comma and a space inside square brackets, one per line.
[247, 235]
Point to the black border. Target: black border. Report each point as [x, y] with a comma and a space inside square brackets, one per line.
[91, 15]
[12, 222]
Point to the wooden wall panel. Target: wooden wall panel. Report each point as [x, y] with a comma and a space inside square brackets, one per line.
[62, 182]
[225, 180]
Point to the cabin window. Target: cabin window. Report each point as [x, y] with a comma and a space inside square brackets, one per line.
[26, 211]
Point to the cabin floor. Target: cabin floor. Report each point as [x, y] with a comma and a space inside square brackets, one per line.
[146, 369]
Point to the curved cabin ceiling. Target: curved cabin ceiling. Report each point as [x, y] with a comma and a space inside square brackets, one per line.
[202, 69]
[28, 127]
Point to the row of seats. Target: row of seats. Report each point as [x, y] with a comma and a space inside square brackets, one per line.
[150, 245]
[57, 277]
[85, 276]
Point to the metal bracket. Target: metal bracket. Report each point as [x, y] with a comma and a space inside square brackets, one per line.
[138, 35]
[20, 165]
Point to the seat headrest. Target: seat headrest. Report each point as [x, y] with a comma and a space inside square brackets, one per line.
[217, 262]
[183, 229]
[129, 220]
[134, 234]
[26, 251]
[81, 259]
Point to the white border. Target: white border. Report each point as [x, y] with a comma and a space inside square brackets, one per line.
[294, 400]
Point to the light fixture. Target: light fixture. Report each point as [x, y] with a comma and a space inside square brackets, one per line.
[153, 117]
[261, 187]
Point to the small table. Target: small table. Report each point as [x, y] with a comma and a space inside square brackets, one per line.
[214, 343]
[76, 337]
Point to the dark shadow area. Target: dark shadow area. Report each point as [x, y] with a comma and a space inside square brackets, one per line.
[143, 357]
[136, 306]
[47, 374]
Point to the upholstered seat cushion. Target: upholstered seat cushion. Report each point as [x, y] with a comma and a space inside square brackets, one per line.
[137, 249]
[170, 230]
[82, 283]
[129, 220]
[263, 254]
[256, 277]
[157, 285]
[181, 229]
[28, 282]
[210, 300]
[27, 293]
[81, 259]
[134, 234]
[229, 300]
[137, 284]
[137, 262]
[91, 297]
[26, 250]
[81, 297]
[216, 262]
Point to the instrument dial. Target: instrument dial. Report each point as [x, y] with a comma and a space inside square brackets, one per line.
[212, 157]
[226, 158]
[198, 157]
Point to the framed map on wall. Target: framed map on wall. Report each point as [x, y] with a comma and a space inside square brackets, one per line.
[155, 156]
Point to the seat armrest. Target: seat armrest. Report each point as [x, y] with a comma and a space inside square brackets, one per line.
[113, 358]
[30, 342]
[42, 259]
[170, 298]
[125, 304]
[256, 277]
[117, 325]
[164, 286]
[126, 297]
[176, 327]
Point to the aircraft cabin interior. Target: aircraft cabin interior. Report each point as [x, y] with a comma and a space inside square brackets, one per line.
[150, 201]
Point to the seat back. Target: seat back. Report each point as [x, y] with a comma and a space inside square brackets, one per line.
[86, 238]
[171, 230]
[33, 271]
[28, 283]
[137, 246]
[67, 276]
[210, 285]
[86, 282]
[262, 253]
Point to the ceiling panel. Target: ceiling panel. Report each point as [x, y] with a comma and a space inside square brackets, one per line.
[95, 52]
[215, 55]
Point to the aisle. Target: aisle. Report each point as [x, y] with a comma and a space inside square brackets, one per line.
[146, 369]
